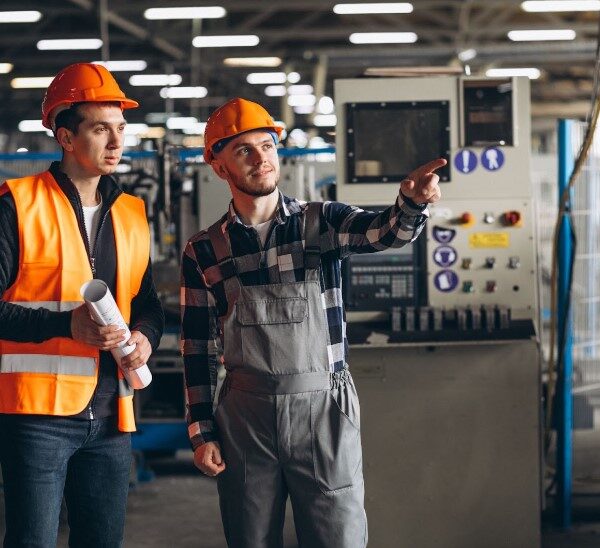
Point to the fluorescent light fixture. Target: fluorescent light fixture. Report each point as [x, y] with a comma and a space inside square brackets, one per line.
[155, 80]
[252, 61]
[467, 54]
[300, 89]
[266, 78]
[293, 77]
[383, 37]
[123, 66]
[5, 68]
[131, 141]
[325, 105]
[31, 125]
[531, 73]
[31, 82]
[304, 109]
[228, 41]
[373, 7]
[22, 149]
[20, 16]
[301, 100]
[69, 43]
[206, 12]
[135, 129]
[181, 122]
[275, 91]
[196, 92]
[539, 35]
[561, 5]
[195, 129]
[325, 120]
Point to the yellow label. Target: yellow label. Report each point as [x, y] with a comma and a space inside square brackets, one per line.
[489, 239]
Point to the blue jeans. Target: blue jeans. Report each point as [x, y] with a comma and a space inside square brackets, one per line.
[44, 457]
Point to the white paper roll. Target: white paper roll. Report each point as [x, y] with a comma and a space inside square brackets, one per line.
[105, 311]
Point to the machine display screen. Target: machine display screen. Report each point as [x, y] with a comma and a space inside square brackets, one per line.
[386, 141]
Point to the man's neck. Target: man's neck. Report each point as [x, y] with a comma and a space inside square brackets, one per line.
[254, 210]
[86, 186]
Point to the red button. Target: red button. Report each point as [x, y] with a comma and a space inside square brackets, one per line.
[512, 218]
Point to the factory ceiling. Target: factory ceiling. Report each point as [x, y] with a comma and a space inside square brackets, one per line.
[308, 37]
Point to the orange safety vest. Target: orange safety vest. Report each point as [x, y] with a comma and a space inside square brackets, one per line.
[58, 376]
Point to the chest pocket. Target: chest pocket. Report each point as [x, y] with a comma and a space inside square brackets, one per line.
[272, 312]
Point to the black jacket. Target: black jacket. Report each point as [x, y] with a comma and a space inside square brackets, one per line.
[21, 324]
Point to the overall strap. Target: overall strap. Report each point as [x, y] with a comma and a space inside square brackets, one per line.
[312, 237]
[226, 263]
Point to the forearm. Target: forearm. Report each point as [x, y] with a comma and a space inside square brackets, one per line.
[22, 324]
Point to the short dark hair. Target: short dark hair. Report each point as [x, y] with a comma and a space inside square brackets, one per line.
[70, 118]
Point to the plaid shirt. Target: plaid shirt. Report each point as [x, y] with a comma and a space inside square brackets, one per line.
[344, 230]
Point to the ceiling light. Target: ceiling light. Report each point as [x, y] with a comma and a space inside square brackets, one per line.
[196, 92]
[181, 122]
[131, 141]
[275, 91]
[135, 129]
[467, 54]
[293, 77]
[373, 7]
[195, 129]
[383, 37]
[301, 100]
[538, 35]
[252, 61]
[325, 105]
[22, 149]
[225, 41]
[155, 80]
[532, 73]
[31, 125]
[5, 68]
[266, 78]
[304, 109]
[123, 66]
[206, 12]
[325, 120]
[31, 82]
[69, 43]
[561, 5]
[20, 16]
[300, 89]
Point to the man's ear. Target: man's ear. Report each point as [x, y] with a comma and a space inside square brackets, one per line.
[64, 138]
[219, 169]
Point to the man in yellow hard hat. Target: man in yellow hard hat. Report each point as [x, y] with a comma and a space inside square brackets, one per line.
[262, 286]
[66, 411]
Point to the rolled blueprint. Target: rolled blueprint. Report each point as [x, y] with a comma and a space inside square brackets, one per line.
[104, 310]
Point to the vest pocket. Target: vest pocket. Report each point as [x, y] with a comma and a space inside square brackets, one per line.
[337, 454]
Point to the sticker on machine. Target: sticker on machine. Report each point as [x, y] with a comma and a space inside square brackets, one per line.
[445, 280]
[445, 256]
[465, 161]
[443, 235]
[481, 240]
[492, 159]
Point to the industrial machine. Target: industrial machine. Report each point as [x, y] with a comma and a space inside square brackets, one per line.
[442, 333]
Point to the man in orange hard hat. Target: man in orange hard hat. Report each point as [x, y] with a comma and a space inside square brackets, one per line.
[66, 411]
[262, 286]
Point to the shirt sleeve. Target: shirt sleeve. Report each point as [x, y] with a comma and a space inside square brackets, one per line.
[200, 343]
[354, 230]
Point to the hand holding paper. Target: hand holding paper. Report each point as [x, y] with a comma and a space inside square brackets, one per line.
[104, 310]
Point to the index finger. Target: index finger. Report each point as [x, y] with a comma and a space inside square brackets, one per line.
[429, 167]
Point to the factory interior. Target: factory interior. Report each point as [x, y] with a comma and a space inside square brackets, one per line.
[474, 348]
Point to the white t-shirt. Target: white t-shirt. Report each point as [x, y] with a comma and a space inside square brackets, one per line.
[263, 231]
[91, 218]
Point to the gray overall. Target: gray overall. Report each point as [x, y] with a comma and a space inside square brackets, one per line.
[286, 424]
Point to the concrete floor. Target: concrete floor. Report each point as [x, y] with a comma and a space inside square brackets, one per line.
[179, 507]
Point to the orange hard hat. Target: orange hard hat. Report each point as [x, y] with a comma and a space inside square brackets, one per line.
[81, 82]
[235, 117]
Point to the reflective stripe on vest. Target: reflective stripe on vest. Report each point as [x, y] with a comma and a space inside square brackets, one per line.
[58, 376]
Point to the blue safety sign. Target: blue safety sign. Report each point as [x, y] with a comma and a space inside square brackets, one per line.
[492, 159]
[443, 235]
[465, 161]
[445, 256]
[445, 280]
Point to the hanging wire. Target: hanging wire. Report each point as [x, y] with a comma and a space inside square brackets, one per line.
[564, 212]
